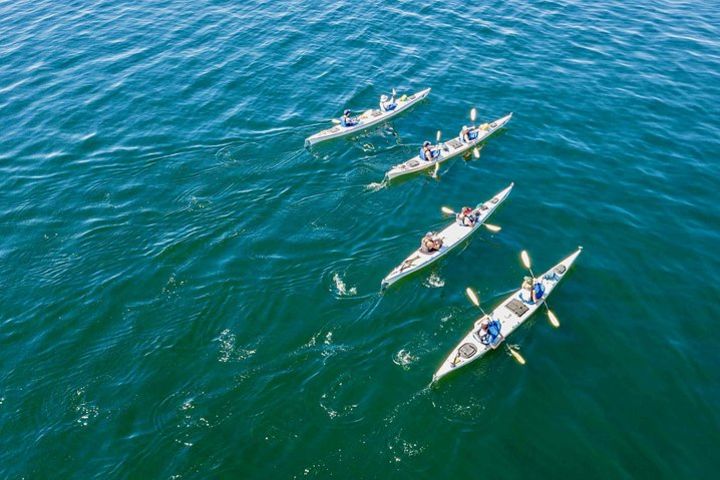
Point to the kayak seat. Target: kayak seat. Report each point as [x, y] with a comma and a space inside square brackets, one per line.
[467, 350]
[484, 207]
[560, 269]
[413, 163]
[517, 307]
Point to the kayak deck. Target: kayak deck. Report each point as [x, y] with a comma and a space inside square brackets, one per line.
[449, 150]
[367, 119]
[452, 236]
[511, 313]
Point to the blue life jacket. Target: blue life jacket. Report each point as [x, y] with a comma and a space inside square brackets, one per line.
[539, 290]
[491, 338]
[494, 328]
[422, 154]
[389, 107]
[346, 123]
[473, 134]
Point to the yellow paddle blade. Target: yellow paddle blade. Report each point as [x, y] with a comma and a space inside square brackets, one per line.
[493, 228]
[437, 167]
[473, 114]
[553, 319]
[525, 259]
[472, 296]
[476, 152]
[516, 355]
[447, 210]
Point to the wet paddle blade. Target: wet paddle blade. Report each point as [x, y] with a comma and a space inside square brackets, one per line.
[447, 210]
[516, 355]
[525, 259]
[476, 152]
[472, 296]
[438, 136]
[473, 114]
[553, 319]
[493, 228]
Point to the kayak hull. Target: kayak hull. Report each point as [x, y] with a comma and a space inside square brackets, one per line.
[511, 313]
[452, 235]
[450, 149]
[372, 117]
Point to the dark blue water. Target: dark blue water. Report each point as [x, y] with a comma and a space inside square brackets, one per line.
[187, 292]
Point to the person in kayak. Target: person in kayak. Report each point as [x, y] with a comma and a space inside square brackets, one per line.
[387, 104]
[466, 217]
[468, 134]
[346, 120]
[430, 243]
[533, 289]
[427, 153]
[489, 333]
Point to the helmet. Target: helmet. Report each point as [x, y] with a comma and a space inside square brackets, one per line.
[426, 143]
[383, 98]
[346, 112]
[464, 127]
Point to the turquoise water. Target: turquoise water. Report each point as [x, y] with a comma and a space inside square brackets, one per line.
[187, 292]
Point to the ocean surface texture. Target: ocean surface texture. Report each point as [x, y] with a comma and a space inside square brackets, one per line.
[187, 292]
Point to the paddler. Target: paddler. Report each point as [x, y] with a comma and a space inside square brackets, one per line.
[346, 120]
[430, 243]
[427, 153]
[468, 134]
[466, 217]
[489, 332]
[387, 104]
[533, 289]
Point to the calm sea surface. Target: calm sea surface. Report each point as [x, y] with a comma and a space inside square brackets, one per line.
[188, 292]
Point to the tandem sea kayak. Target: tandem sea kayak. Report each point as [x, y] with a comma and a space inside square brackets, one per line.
[368, 119]
[511, 313]
[451, 236]
[448, 150]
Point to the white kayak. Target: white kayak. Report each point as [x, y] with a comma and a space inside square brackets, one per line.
[368, 119]
[452, 236]
[448, 150]
[511, 313]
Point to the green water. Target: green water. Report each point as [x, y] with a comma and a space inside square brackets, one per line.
[188, 292]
